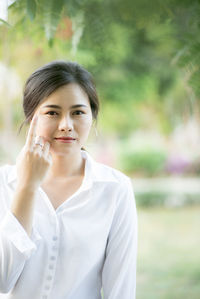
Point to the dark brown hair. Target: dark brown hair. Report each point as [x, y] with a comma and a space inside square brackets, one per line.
[50, 77]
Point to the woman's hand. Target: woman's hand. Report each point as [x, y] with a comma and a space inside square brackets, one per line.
[34, 160]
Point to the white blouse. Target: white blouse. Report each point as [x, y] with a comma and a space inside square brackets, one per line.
[86, 247]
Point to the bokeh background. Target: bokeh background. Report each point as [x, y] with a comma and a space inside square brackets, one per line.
[145, 58]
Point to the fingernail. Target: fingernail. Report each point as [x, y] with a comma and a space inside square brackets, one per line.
[37, 139]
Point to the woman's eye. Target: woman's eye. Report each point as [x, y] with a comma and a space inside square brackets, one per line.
[51, 112]
[79, 112]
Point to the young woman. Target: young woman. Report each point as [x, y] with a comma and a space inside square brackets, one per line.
[68, 224]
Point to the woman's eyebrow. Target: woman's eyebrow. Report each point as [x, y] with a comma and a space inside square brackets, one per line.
[59, 107]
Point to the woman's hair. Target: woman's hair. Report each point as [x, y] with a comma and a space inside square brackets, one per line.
[50, 77]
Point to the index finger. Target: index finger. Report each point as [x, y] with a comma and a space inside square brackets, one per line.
[31, 132]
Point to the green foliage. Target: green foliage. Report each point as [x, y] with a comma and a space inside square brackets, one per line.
[151, 199]
[51, 13]
[123, 121]
[31, 9]
[142, 156]
[148, 162]
[138, 51]
[4, 22]
[163, 199]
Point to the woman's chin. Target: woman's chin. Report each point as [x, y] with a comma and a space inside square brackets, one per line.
[63, 152]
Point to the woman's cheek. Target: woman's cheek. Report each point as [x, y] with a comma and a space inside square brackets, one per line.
[85, 128]
[47, 121]
[86, 121]
[44, 126]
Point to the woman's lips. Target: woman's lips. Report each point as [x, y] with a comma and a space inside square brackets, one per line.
[65, 140]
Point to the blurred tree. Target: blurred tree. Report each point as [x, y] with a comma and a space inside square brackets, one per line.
[139, 51]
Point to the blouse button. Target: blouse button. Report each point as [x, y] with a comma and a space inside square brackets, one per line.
[49, 277]
[50, 267]
[47, 288]
[55, 238]
[52, 258]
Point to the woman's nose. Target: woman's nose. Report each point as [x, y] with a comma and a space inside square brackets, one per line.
[66, 123]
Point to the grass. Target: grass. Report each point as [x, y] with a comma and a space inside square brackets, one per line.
[168, 253]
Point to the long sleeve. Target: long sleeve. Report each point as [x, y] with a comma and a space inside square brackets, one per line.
[119, 270]
[15, 244]
[15, 248]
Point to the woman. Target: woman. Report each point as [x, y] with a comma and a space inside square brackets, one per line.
[68, 224]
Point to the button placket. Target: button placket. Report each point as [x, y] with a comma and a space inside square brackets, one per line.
[52, 262]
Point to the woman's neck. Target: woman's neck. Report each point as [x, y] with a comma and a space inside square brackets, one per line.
[63, 167]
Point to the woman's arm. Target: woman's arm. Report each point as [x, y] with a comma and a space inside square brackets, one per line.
[23, 207]
[16, 245]
[16, 227]
[119, 270]
[15, 248]
[32, 166]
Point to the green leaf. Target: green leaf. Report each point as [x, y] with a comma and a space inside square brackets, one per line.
[31, 9]
[52, 12]
[51, 42]
[4, 22]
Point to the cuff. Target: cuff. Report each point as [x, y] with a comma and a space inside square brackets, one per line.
[14, 231]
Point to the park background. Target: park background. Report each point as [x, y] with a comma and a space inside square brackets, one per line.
[145, 58]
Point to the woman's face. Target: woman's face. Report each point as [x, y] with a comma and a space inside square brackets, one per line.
[66, 119]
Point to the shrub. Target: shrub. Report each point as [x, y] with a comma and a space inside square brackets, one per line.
[148, 162]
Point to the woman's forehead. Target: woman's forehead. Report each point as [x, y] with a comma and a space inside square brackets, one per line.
[67, 96]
